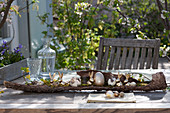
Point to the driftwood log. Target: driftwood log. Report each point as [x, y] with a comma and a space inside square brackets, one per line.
[158, 83]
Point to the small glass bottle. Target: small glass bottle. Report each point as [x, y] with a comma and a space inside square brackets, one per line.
[48, 56]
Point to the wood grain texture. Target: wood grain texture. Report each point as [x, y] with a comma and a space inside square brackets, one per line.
[123, 59]
[105, 58]
[112, 55]
[149, 58]
[156, 54]
[129, 42]
[85, 110]
[136, 58]
[117, 59]
[129, 59]
[100, 53]
[133, 57]
[142, 58]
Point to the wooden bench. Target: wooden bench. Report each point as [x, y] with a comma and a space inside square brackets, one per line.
[118, 53]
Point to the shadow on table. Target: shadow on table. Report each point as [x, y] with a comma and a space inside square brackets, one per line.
[151, 96]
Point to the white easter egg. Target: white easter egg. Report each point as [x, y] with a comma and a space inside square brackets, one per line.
[99, 79]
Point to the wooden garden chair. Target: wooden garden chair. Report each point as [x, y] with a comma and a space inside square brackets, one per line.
[118, 53]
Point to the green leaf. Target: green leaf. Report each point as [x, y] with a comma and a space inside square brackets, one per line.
[120, 20]
[140, 75]
[100, 27]
[105, 16]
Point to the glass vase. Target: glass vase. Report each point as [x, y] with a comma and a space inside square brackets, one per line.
[48, 56]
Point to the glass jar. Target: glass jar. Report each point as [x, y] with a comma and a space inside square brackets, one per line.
[48, 56]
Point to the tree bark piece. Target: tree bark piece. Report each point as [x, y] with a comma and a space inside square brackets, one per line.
[158, 83]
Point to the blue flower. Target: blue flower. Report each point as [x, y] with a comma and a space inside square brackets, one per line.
[18, 50]
[3, 46]
[4, 42]
[15, 50]
[20, 46]
[3, 51]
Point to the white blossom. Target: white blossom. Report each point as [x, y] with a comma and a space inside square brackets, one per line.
[2, 14]
[167, 49]
[162, 1]
[162, 16]
[138, 37]
[80, 7]
[121, 1]
[164, 30]
[133, 30]
[164, 50]
[1, 58]
[2, 5]
[163, 12]
[137, 26]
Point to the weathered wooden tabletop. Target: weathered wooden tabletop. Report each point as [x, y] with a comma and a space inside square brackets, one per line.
[19, 101]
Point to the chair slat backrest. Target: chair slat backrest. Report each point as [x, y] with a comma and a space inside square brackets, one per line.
[128, 53]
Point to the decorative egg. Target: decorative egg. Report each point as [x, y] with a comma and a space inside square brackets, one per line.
[109, 94]
[99, 79]
[121, 94]
[116, 94]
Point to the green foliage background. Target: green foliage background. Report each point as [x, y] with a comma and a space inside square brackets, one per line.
[79, 24]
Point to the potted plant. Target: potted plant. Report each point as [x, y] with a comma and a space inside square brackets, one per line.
[11, 62]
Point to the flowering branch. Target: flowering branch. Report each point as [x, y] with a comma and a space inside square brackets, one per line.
[6, 13]
[165, 19]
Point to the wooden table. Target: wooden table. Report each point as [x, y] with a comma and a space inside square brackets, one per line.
[19, 101]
